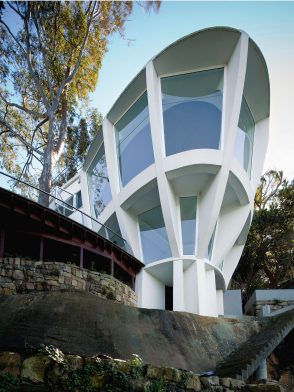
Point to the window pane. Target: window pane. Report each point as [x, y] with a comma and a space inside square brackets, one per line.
[99, 188]
[155, 245]
[134, 144]
[208, 254]
[188, 223]
[79, 203]
[112, 232]
[192, 110]
[245, 137]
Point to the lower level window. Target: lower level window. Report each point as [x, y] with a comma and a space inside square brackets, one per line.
[154, 241]
[188, 224]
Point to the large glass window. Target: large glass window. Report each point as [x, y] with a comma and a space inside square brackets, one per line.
[134, 144]
[192, 110]
[188, 224]
[154, 241]
[111, 231]
[99, 188]
[245, 137]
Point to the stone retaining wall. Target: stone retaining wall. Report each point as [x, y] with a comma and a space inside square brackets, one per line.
[274, 305]
[51, 370]
[19, 276]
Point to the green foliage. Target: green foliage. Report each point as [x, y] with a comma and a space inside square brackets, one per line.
[137, 366]
[52, 352]
[157, 386]
[8, 383]
[268, 257]
[50, 57]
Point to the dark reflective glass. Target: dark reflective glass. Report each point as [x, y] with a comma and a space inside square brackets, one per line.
[155, 245]
[245, 137]
[192, 110]
[134, 143]
[99, 188]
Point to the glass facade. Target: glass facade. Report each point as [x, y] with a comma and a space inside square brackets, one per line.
[245, 137]
[188, 223]
[98, 182]
[112, 232]
[192, 110]
[134, 144]
[208, 254]
[154, 241]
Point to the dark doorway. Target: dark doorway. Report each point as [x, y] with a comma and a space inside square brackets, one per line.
[168, 298]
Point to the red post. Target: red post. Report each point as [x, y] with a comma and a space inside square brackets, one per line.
[2, 241]
[41, 254]
[81, 257]
[111, 267]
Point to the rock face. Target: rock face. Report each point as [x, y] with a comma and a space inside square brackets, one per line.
[83, 324]
[18, 276]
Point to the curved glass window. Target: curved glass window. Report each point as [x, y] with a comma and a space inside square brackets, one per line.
[192, 110]
[245, 137]
[111, 231]
[154, 241]
[188, 223]
[134, 143]
[98, 182]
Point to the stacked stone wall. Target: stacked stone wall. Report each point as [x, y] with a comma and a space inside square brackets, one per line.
[274, 304]
[19, 276]
[51, 370]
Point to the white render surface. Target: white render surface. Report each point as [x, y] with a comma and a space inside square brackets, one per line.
[224, 189]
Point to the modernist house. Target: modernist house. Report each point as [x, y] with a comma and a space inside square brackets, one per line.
[175, 168]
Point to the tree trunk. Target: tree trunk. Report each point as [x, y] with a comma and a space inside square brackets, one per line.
[45, 178]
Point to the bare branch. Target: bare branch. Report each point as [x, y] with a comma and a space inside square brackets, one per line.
[31, 70]
[23, 108]
[12, 35]
[14, 9]
[19, 137]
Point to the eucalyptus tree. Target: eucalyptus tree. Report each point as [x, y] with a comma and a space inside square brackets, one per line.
[268, 257]
[51, 53]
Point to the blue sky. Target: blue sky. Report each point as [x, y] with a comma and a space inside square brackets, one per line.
[270, 24]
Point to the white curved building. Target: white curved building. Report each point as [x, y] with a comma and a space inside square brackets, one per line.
[183, 148]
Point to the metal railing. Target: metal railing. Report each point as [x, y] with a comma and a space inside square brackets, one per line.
[32, 192]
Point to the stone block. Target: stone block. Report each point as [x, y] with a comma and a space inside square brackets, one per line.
[52, 283]
[34, 368]
[10, 363]
[225, 382]
[193, 383]
[261, 388]
[74, 282]
[207, 382]
[61, 279]
[75, 362]
[153, 371]
[30, 286]
[139, 385]
[237, 383]
[18, 275]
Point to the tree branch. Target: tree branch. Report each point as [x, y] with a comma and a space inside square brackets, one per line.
[19, 137]
[28, 58]
[23, 108]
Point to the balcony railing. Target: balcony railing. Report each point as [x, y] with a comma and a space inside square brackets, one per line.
[63, 207]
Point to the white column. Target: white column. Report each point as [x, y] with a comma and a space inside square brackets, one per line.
[200, 282]
[167, 198]
[85, 199]
[128, 224]
[210, 205]
[178, 286]
[220, 302]
[211, 300]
